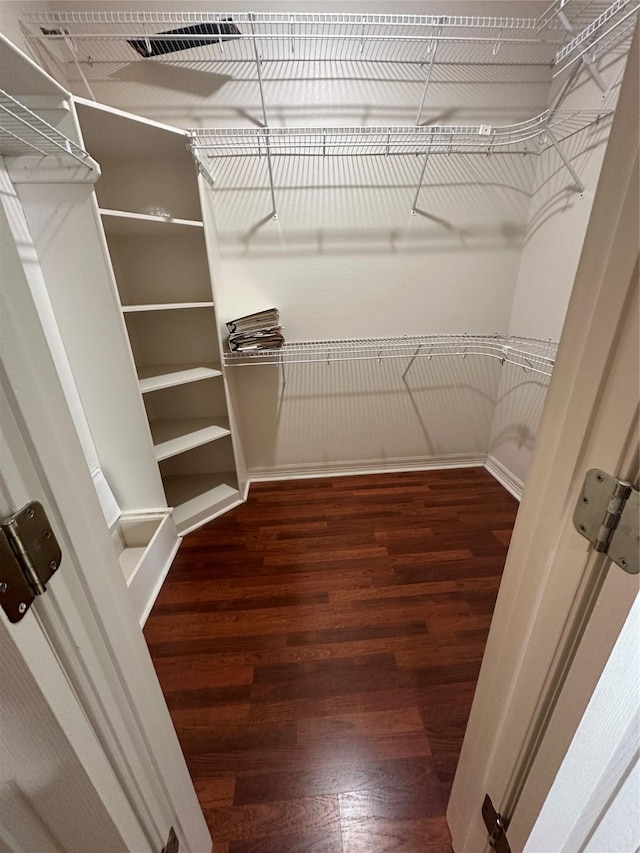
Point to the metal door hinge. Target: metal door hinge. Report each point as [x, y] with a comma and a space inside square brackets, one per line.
[172, 845]
[607, 515]
[497, 826]
[29, 556]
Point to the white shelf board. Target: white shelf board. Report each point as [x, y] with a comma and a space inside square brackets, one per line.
[176, 435]
[155, 377]
[193, 495]
[119, 223]
[165, 306]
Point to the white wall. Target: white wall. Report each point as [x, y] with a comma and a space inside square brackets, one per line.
[346, 259]
[558, 220]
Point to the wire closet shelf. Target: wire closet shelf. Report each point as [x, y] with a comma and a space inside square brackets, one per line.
[531, 354]
[542, 130]
[93, 37]
[22, 132]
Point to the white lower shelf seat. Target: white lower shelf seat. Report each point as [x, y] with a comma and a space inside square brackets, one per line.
[197, 498]
[147, 543]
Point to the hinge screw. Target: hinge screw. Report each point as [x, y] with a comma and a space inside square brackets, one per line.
[22, 607]
[623, 562]
[31, 512]
[3, 587]
[583, 528]
[53, 565]
[600, 478]
[585, 500]
[47, 534]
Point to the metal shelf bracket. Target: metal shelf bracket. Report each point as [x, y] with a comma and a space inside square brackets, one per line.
[566, 162]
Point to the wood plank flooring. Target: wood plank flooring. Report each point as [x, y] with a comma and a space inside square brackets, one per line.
[319, 648]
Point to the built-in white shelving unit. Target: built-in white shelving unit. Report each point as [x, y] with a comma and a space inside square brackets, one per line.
[50, 204]
[167, 305]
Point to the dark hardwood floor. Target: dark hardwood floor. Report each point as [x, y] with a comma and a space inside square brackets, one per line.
[319, 648]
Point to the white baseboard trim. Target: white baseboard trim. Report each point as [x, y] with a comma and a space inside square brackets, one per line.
[502, 474]
[366, 466]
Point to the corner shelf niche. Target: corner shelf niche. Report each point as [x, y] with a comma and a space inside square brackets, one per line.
[164, 288]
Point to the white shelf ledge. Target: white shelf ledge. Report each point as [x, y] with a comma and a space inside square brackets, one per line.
[165, 306]
[531, 136]
[198, 497]
[156, 377]
[177, 435]
[127, 224]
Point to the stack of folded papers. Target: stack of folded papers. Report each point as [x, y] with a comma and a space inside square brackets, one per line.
[256, 331]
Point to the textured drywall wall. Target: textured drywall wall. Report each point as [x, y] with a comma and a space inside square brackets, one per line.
[550, 254]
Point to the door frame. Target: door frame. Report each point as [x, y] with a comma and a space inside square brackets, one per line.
[86, 618]
[552, 577]
[593, 802]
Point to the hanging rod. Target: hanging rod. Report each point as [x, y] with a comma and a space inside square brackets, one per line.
[217, 142]
[23, 132]
[531, 354]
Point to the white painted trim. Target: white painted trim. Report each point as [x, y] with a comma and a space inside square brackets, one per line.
[512, 484]
[367, 466]
[603, 752]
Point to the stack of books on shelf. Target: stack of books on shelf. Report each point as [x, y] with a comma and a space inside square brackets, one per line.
[257, 331]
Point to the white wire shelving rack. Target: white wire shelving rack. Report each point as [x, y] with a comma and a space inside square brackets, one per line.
[568, 30]
[533, 136]
[614, 24]
[231, 37]
[94, 37]
[533, 355]
[23, 132]
[392, 140]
